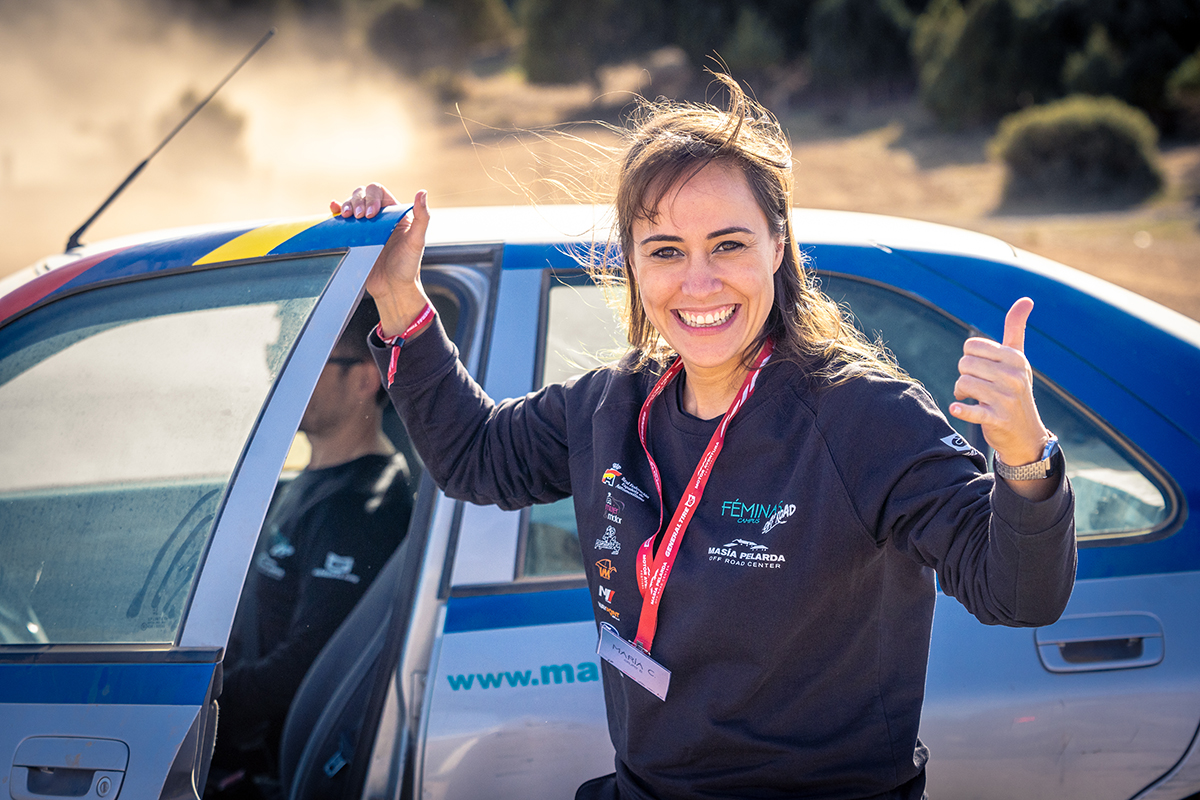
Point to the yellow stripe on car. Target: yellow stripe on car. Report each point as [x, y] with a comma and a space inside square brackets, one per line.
[260, 241]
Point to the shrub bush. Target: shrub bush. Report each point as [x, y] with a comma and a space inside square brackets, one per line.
[1183, 93]
[1080, 151]
[861, 42]
[481, 22]
[1184, 84]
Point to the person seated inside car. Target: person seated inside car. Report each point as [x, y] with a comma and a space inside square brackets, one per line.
[327, 535]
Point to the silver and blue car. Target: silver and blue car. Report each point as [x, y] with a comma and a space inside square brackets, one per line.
[150, 392]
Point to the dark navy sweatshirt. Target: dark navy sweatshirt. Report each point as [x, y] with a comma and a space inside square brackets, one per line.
[796, 620]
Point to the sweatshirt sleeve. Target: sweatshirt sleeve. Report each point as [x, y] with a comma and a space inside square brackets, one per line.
[1008, 560]
[512, 454]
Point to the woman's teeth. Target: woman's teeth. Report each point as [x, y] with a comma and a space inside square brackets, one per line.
[708, 319]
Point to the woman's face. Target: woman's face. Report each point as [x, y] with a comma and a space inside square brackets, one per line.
[704, 269]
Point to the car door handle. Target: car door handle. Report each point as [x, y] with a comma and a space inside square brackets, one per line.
[52, 766]
[1090, 642]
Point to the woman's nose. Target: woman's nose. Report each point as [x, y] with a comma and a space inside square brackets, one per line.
[700, 278]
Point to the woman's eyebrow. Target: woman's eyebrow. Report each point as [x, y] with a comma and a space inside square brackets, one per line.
[666, 237]
[729, 230]
[660, 237]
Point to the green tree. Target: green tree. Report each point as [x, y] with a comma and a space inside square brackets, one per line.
[988, 58]
[753, 45]
[566, 40]
[856, 42]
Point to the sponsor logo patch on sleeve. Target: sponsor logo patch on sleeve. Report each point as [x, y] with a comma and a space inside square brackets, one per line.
[958, 443]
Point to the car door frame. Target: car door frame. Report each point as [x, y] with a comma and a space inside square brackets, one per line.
[82, 693]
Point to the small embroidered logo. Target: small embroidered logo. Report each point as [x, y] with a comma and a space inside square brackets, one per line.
[609, 542]
[779, 517]
[958, 443]
[337, 567]
[744, 543]
[610, 475]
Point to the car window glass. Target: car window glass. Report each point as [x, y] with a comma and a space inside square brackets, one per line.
[1114, 493]
[582, 332]
[126, 409]
[447, 307]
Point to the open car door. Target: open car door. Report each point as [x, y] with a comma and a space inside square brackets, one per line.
[150, 395]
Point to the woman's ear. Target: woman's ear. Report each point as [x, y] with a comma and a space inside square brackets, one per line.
[780, 243]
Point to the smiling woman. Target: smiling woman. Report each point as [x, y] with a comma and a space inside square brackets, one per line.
[704, 267]
[789, 657]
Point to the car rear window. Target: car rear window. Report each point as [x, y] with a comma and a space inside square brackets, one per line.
[1116, 491]
[126, 410]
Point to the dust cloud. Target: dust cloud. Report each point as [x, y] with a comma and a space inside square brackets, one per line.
[90, 88]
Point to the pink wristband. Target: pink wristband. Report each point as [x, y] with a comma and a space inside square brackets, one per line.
[396, 342]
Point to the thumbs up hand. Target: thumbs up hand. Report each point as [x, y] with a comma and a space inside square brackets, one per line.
[998, 377]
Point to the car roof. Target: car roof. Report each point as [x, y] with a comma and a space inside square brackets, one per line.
[983, 265]
[544, 224]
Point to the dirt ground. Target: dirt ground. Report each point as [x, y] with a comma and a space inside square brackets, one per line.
[886, 158]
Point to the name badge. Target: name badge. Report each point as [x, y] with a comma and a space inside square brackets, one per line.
[643, 669]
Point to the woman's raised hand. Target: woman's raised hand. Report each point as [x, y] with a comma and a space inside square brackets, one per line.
[395, 280]
[998, 377]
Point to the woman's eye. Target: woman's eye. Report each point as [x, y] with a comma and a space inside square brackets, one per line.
[665, 252]
[727, 247]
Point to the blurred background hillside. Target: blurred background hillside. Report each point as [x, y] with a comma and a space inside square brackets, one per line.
[1067, 127]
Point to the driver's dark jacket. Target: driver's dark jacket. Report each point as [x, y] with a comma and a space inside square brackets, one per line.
[796, 621]
[328, 534]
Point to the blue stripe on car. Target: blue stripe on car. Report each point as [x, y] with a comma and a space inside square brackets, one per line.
[106, 684]
[541, 256]
[488, 612]
[337, 233]
[142, 259]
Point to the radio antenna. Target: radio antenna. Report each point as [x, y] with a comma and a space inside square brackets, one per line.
[74, 242]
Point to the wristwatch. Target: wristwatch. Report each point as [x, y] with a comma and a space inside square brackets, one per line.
[1044, 468]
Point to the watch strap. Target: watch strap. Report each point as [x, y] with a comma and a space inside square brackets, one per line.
[1046, 467]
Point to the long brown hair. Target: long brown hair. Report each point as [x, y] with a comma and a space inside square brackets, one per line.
[668, 143]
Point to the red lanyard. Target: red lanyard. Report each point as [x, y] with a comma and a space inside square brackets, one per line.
[652, 571]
